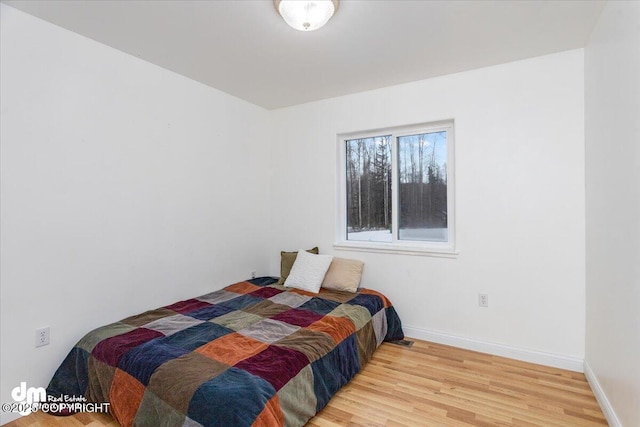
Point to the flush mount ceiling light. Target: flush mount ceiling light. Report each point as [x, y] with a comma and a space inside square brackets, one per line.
[306, 15]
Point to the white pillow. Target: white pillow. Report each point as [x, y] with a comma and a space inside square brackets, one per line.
[308, 271]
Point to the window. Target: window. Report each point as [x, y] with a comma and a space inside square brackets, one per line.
[396, 189]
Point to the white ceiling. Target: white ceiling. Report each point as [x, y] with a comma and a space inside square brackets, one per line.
[244, 48]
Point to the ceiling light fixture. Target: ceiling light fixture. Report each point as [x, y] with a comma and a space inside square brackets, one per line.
[306, 15]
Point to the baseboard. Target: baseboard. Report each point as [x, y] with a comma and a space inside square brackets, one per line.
[524, 354]
[598, 392]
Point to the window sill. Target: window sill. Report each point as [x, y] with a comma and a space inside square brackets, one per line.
[395, 248]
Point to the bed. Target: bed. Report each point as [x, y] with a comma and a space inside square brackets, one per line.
[252, 354]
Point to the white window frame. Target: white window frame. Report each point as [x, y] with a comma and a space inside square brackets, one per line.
[409, 247]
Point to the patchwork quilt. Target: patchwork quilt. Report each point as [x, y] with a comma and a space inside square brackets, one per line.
[252, 354]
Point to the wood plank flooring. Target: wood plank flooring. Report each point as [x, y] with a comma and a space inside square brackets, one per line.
[435, 385]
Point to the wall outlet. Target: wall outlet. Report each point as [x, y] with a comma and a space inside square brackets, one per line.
[483, 300]
[42, 337]
[253, 274]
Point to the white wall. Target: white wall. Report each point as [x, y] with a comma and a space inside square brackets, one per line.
[124, 187]
[612, 97]
[519, 202]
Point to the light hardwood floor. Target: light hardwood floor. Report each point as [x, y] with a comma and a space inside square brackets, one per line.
[435, 385]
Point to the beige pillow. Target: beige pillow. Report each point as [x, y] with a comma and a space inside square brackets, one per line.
[343, 275]
[286, 262]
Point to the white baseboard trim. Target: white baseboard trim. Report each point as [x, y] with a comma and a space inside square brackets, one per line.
[605, 405]
[524, 354]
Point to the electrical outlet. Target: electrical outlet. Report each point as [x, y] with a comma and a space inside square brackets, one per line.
[42, 337]
[483, 300]
[253, 274]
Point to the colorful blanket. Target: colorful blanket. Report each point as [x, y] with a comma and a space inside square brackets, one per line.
[252, 354]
